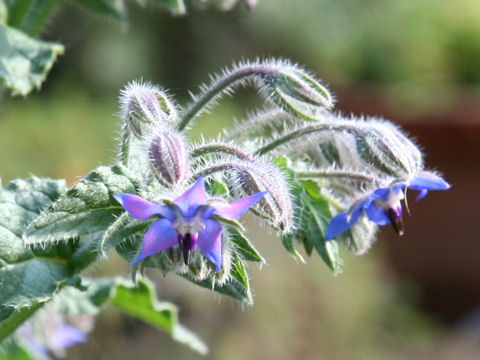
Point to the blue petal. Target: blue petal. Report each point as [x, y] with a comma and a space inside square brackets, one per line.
[210, 242]
[427, 180]
[66, 336]
[159, 237]
[193, 197]
[238, 208]
[422, 194]
[139, 208]
[339, 224]
[377, 215]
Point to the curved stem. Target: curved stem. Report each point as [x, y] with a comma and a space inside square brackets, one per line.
[256, 122]
[222, 148]
[337, 174]
[302, 132]
[217, 88]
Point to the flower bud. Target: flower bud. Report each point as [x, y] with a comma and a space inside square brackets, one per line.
[297, 92]
[143, 105]
[169, 158]
[277, 204]
[358, 144]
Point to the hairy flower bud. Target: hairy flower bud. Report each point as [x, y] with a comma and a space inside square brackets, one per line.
[143, 105]
[297, 92]
[169, 158]
[277, 204]
[355, 143]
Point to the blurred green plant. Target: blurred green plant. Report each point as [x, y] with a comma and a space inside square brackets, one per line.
[26, 60]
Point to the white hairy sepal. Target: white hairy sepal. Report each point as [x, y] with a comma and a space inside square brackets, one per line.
[168, 156]
[371, 144]
[143, 105]
[249, 177]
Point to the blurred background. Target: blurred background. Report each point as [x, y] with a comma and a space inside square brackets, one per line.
[416, 62]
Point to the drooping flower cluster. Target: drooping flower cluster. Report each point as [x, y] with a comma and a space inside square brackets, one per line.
[361, 167]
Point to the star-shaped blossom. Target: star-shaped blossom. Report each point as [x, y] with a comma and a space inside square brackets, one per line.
[188, 221]
[383, 206]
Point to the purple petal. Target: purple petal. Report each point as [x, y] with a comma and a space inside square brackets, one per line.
[238, 208]
[141, 209]
[210, 242]
[66, 336]
[429, 181]
[159, 237]
[194, 196]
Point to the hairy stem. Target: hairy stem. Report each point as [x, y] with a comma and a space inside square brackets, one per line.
[216, 88]
[222, 148]
[337, 174]
[307, 130]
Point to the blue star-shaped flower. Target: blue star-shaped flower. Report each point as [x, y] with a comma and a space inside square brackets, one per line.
[188, 221]
[383, 206]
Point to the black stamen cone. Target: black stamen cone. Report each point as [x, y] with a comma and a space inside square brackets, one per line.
[186, 244]
[396, 221]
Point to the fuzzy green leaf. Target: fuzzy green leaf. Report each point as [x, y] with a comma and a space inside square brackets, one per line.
[239, 272]
[244, 247]
[88, 207]
[27, 282]
[24, 61]
[232, 287]
[113, 9]
[315, 220]
[20, 202]
[25, 286]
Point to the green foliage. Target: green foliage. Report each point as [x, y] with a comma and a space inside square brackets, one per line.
[244, 246]
[311, 221]
[27, 282]
[138, 300]
[24, 61]
[88, 207]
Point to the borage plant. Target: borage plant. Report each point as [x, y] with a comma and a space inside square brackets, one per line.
[312, 176]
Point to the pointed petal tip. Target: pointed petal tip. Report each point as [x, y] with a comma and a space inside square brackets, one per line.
[119, 198]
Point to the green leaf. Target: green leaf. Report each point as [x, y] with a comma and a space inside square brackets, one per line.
[88, 207]
[26, 282]
[14, 318]
[20, 202]
[243, 246]
[138, 300]
[231, 287]
[113, 9]
[24, 61]
[315, 221]
[175, 6]
[239, 272]
[25, 286]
